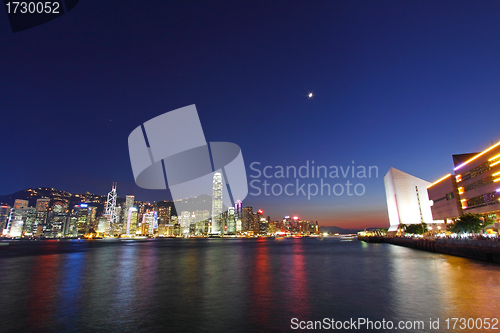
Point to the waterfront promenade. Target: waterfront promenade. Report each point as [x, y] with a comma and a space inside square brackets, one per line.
[480, 249]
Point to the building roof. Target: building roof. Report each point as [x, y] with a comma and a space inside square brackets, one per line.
[462, 158]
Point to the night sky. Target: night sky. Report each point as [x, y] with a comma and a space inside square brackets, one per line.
[401, 84]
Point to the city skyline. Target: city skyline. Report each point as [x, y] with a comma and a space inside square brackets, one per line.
[59, 214]
[217, 189]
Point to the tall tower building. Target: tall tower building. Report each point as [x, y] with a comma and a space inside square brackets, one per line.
[42, 209]
[101, 224]
[129, 203]
[21, 219]
[111, 210]
[237, 209]
[231, 221]
[217, 204]
[57, 220]
[83, 214]
[56, 226]
[237, 216]
[131, 225]
[256, 221]
[185, 221]
[149, 223]
[164, 209]
[247, 219]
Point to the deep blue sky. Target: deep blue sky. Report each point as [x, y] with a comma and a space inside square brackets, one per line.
[396, 83]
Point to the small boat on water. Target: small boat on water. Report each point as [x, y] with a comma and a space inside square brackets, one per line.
[349, 236]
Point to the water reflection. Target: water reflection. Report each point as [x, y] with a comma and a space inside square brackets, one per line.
[414, 283]
[235, 285]
[294, 281]
[260, 281]
[191, 281]
[146, 279]
[124, 292]
[69, 289]
[442, 286]
[42, 291]
[467, 285]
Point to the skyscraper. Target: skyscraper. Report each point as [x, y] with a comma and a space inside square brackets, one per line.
[57, 220]
[237, 216]
[42, 208]
[185, 221]
[129, 203]
[149, 222]
[21, 219]
[83, 216]
[101, 224]
[164, 209]
[4, 216]
[217, 203]
[111, 210]
[131, 224]
[247, 219]
[231, 221]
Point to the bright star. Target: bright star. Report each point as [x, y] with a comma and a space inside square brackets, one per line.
[310, 95]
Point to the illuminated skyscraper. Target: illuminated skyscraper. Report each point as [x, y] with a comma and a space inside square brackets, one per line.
[15, 222]
[149, 223]
[247, 219]
[237, 216]
[131, 225]
[263, 226]
[217, 227]
[101, 224]
[111, 210]
[4, 216]
[83, 215]
[21, 219]
[57, 220]
[185, 221]
[129, 203]
[231, 221]
[201, 226]
[164, 209]
[256, 221]
[42, 208]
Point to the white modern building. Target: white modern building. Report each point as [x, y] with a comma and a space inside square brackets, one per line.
[407, 199]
